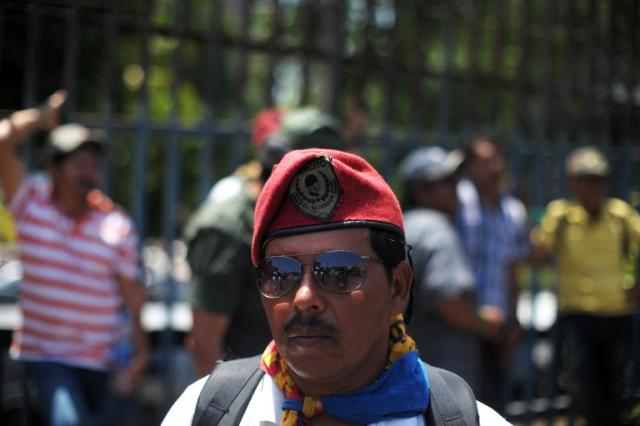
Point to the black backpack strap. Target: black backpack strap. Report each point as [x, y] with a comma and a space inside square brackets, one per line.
[227, 392]
[451, 400]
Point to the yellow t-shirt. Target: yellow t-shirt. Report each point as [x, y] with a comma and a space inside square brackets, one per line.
[592, 254]
[7, 226]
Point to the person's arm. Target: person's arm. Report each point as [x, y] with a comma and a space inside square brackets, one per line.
[134, 298]
[443, 273]
[458, 312]
[633, 228]
[542, 238]
[16, 128]
[207, 339]
[219, 264]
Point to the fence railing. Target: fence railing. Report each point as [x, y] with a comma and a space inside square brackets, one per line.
[175, 83]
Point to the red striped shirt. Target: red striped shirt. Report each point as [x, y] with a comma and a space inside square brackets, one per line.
[70, 298]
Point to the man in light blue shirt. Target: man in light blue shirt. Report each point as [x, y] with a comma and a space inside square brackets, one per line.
[493, 229]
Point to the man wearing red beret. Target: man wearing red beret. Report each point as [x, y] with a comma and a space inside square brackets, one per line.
[331, 267]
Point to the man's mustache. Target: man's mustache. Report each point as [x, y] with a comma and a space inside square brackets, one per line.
[310, 323]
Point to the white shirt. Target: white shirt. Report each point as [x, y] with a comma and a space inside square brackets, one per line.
[264, 408]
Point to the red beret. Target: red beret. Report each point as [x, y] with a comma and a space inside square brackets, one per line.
[267, 122]
[320, 189]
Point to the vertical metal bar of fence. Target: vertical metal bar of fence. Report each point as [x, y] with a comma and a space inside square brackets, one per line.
[520, 141]
[418, 77]
[444, 103]
[70, 66]
[2, 29]
[606, 81]
[309, 28]
[563, 45]
[361, 67]
[630, 125]
[583, 92]
[2, 364]
[498, 54]
[623, 160]
[32, 71]
[544, 87]
[208, 125]
[106, 97]
[560, 131]
[32, 66]
[593, 135]
[170, 201]
[336, 54]
[628, 86]
[470, 108]
[238, 133]
[513, 149]
[272, 45]
[390, 85]
[142, 134]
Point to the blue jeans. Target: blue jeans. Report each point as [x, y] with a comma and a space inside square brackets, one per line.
[67, 395]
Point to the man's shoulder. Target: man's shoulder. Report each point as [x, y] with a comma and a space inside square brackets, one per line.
[232, 215]
[514, 208]
[620, 208]
[35, 186]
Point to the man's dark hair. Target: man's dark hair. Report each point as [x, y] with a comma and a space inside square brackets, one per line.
[56, 158]
[469, 147]
[391, 248]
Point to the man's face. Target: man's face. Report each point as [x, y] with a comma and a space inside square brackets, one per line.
[443, 196]
[332, 342]
[487, 167]
[77, 174]
[590, 191]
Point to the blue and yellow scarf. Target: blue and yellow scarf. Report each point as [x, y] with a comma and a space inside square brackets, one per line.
[401, 391]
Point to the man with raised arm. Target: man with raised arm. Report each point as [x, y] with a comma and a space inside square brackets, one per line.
[80, 284]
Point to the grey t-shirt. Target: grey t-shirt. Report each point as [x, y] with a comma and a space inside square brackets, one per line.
[441, 271]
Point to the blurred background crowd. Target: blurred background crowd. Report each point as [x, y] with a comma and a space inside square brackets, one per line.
[481, 113]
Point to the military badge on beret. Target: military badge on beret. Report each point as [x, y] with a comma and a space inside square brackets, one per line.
[315, 190]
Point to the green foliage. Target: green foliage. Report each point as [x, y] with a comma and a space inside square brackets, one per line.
[422, 72]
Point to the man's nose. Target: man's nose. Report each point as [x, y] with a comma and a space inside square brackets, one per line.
[309, 295]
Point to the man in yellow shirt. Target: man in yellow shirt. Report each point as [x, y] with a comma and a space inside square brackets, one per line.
[592, 238]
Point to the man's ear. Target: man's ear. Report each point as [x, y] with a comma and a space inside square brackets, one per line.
[401, 282]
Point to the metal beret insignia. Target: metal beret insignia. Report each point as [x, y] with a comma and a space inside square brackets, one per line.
[315, 190]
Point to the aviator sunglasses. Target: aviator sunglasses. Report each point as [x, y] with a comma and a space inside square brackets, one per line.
[339, 271]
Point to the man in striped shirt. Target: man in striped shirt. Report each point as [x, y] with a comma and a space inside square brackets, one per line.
[79, 256]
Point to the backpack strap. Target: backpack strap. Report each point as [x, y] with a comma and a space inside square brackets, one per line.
[451, 400]
[227, 391]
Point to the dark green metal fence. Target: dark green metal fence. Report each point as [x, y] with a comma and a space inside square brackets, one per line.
[176, 83]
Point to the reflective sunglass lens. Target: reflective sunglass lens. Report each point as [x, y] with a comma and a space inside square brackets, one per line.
[339, 271]
[277, 276]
